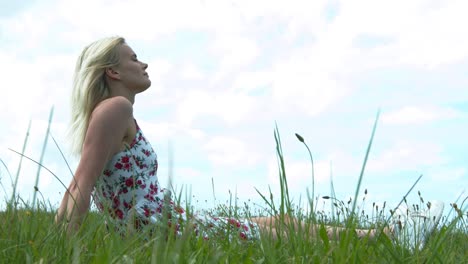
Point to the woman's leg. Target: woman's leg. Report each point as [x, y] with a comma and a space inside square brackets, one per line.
[269, 223]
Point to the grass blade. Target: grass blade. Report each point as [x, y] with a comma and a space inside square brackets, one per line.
[361, 175]
[15, 184]
[51, 114]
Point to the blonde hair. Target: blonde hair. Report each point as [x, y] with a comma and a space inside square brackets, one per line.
[90, 86]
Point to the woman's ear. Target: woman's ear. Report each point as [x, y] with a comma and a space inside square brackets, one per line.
[112, 73]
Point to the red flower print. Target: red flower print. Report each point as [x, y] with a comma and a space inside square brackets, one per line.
[245, 227]
[129, 182]
[147, 212]
[149, 198]
[234, 222]
[118, 166]
[243, 236]
[179, 210]
[119, 213]
[120, 185]
[116, 202]
[154, 187]
[125, 159]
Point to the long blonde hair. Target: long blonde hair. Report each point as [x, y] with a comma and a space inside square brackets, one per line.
[90, 86]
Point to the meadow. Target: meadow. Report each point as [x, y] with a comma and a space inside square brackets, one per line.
[28, 233]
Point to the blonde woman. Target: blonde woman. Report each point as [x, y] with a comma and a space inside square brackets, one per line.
[117, 164]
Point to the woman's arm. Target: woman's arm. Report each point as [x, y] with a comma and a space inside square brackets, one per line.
[107, 128]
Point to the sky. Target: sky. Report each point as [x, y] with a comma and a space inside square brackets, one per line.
[226, 73]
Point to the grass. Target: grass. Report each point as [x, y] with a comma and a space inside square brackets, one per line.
[28, 234]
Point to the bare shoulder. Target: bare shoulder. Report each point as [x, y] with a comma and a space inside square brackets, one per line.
[114, 108]
[108, 126]
[117, 104]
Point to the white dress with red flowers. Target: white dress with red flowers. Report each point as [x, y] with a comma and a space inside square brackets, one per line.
[129, 190]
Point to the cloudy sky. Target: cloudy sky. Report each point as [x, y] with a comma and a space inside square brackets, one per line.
[225, 72]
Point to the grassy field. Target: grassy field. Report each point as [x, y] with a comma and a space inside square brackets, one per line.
[28, 235]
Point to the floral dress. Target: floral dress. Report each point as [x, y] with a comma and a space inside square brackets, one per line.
[128, 189]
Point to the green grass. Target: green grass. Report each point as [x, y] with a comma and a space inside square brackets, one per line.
[28, 235]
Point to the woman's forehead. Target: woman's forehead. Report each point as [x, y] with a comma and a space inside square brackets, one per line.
[126, 50]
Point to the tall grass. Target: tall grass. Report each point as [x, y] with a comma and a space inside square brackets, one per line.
[28, 233]
[44, 145]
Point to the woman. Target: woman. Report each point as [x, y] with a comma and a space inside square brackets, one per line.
[118, 165]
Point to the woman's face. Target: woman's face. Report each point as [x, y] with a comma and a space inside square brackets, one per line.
[132, 72]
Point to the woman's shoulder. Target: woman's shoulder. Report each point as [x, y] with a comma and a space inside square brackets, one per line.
[117, 106]
[116, 102]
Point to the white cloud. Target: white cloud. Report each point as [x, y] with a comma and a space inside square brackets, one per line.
[233, 52]
[230, 107]
[299, 175]
[300, 15]
[418, 115]
[299, 87]
[405, 155]
[230, 151]
[191, 71]
[450, 174]
[424, 35]
[144, 20]
[25, 85]
[246, 82]
[168, 131]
